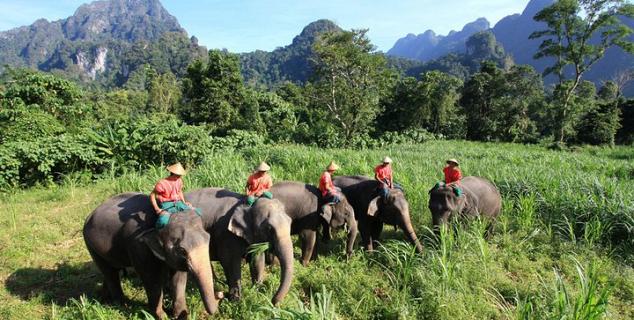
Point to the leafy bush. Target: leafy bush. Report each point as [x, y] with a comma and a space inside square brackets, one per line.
[407, 137]
[237, 139]
[24, 163]
[599, 126]
[145, 141]
[22, 123]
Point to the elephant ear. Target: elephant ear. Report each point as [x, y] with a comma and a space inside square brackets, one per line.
[240, 223]
[326, 212]
[152, 240]
[373, 207]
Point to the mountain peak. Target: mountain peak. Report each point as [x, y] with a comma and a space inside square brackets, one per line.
[131, 20]
[535, 6]
[428, 45]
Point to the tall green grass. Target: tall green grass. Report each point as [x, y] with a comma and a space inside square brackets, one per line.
[562, 248]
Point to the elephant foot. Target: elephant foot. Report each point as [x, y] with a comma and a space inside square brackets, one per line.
[160, 314]
[234, 294]
[181, 315]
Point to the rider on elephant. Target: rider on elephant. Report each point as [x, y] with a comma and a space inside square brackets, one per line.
[383, 174]
[329, 192]
[453, 175]
[167, 197]
[259, 184]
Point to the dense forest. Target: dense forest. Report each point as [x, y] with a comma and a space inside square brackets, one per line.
[182, 106]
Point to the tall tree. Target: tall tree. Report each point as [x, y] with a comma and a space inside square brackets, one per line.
[349, 81]
[213, 93]
[578, 35]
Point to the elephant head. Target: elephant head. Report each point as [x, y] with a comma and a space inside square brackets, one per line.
[184, 246]
[443, 202]
[340, 214]
[267, 222]
[394, 210]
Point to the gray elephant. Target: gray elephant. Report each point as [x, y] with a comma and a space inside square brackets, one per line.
[480, 198]
[372, 210]
[234, 226]
[120, 233]
[304, 204]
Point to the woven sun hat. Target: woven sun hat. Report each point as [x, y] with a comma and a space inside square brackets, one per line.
[177, 169]
[332, 166]
[263, 167]
[387, 160]
[450, 161]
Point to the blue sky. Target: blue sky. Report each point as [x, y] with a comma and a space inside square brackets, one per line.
[246, 25]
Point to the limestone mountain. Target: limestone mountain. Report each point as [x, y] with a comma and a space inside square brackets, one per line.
[428, 46]
[513, 32]
[289, 63]
[105, 40]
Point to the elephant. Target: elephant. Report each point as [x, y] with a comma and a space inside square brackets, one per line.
[120, 233]
[480, 198]
[372, 210]
[234, 226]
[304, 204]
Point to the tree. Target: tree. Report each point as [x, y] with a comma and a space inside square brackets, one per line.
[349, 81]
[501, 105]
[578, 35]
[213, 93]
[163, 92]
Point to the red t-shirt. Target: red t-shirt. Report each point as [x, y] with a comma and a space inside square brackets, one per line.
[258, 183]
[383, 172]
[452, 174]
[168, 190]
[325, 183]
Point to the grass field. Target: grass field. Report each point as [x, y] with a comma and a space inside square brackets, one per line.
[561, 250]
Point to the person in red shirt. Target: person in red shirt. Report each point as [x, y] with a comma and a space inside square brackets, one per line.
[383, 174]
[453, 175]
[329, 192]
[167, 197]
[258, 184]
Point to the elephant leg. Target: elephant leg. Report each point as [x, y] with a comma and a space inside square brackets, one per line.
[111, 278]
[376, 229]
[179, 284]
[256, 266]
[366, 237]
[231, 267]
[309, 237]
[326, 232]
[489, 231]
[153, 280]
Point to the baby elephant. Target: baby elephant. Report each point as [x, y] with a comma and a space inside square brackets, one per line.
[480, 198]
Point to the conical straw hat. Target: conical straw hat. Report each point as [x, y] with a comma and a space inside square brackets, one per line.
[177, 169]
[332, 166]
[453, 161]
[387, 160]
[263, 167]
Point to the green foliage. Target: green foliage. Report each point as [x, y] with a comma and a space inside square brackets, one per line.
[140, 142]
[625, 134]
[502, 105]
[349, 82]
[213, 93]
[21, 123]
[578, 35]
[429, 104]
[56, 96]
[279, 117]
[45, 160]
[599, 126]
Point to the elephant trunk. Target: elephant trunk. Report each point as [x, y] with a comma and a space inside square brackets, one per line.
[284, 248]
[201, 268]
[406, 225]
[352, 235]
